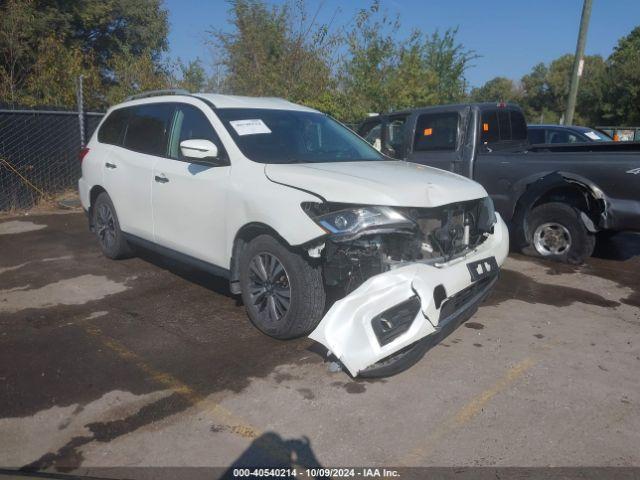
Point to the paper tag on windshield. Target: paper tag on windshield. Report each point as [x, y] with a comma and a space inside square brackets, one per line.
[249, 127]
[592, 135]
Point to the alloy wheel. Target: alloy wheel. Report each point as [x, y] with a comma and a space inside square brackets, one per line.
[269, 288]
[551, 239]
[106, 226]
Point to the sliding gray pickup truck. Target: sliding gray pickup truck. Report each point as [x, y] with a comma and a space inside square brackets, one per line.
[555, 198]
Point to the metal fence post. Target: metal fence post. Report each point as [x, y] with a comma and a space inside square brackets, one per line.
[80, 111]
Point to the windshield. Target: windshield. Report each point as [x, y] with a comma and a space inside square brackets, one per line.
[290, 136]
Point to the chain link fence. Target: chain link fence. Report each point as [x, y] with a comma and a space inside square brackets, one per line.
[39, 153]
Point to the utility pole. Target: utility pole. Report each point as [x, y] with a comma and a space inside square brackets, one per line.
[578, 63]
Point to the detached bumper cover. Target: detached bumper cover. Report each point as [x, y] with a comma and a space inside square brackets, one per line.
[347, 330]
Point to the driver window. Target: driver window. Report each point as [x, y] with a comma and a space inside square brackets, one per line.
[190, 123]
[394, 138]
[436, 131]
[559, 136]
[372, 133]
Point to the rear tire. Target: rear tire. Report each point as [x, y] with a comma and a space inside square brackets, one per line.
[282, 292]
[107, 229]
[555, 231]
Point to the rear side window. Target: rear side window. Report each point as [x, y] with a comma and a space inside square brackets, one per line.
[489, 130]
[112, 130]
[562, 136]
[536, 135]
[148, 128]
[503, 125]
[436, 131]
[518, 125]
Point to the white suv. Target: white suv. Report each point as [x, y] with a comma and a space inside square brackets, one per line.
[375, 258]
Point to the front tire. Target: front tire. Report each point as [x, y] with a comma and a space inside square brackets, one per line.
[107, 229]
[282, 292]
[555, 231]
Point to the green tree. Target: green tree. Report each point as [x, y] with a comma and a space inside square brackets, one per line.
[535, 94]
[134, 73]
[412, 84]
[546, 88]
[192, 76]
[623, 81]
[277, 51]
[16, 45]
[449, 60]
[590, 92]
[107, 28]
[367, 73]
[94, 34]
[383, 72]
[498, 89]
[54, 75]
[348, 71]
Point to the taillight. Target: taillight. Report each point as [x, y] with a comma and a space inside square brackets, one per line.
[83, 153]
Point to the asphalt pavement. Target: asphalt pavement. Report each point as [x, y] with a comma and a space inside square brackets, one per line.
[145, 362]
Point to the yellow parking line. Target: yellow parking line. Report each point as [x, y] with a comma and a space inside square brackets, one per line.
[471, 409]
[222, 415]
[465, 414]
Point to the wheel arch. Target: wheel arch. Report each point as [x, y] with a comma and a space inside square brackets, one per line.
[93, 196]
[564, 187]
[242, 238]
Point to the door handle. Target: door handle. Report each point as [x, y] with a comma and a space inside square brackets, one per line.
[110, 165]
[161, 179]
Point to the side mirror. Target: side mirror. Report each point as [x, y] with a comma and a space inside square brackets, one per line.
[199, 149]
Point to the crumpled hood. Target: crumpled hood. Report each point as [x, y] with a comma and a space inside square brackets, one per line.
[392, 183]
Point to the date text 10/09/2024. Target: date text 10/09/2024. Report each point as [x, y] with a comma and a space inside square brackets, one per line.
[316, 472]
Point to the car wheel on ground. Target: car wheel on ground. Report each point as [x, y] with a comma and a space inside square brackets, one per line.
[283, 293]
[555, 231]
[107, 229]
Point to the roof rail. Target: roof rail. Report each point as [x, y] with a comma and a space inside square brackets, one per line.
[156, 93]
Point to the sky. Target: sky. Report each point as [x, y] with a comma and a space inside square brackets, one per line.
[511, 36]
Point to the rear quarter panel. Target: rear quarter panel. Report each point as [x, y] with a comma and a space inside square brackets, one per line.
[92, 173]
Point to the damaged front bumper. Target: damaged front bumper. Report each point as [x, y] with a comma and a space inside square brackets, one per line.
[397, 308]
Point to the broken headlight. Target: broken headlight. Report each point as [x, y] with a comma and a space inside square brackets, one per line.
[346, 224]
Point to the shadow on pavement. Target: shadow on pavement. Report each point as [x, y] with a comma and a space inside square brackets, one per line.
[199, 277]
[271, 451]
